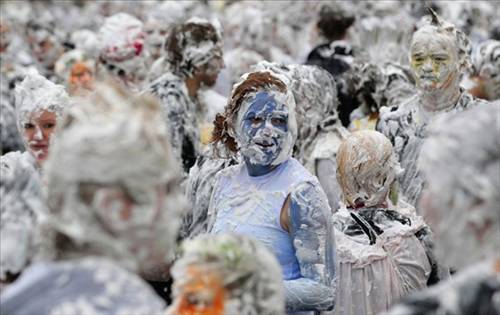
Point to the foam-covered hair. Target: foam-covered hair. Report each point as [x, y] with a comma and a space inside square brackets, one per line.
[316, 102]
[121, 40]
[113, 140]
[225, 129]
[486, 59]
[435, 23]
[250, 273]
[35, 94]
[461, 162]
[191, 45]
[366, 168]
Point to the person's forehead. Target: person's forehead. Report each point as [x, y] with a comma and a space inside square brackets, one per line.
[267, 101]
[43, 115]
[427, 40]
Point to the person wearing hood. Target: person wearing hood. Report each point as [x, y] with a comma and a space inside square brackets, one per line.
[461, 203]
[193, 59]
[270, 196]
[114, 199]
[439, 55]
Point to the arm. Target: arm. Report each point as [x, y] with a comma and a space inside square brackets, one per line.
[312, 235]
[326, 170]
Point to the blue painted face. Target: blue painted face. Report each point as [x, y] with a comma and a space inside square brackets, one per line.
[263, 131]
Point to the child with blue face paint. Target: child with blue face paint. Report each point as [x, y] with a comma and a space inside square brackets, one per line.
[270, 196]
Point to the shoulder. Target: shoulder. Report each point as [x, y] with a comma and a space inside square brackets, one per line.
[168, 84]
[15, 162]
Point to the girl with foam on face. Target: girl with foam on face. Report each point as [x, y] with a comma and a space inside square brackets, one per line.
[270, 196]
[39, 106]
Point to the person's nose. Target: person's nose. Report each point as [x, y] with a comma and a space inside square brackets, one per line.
[427, 66]
[38, 134]
[267, 129]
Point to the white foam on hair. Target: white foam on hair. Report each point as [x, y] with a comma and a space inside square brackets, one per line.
[36, 94]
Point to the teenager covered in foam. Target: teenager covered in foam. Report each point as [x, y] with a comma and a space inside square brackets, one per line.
[40, 105]
[462, 165]
[112, 187]
[270, 196]
[191, 63]
[439, 55]
[226, 275]
[380, 255]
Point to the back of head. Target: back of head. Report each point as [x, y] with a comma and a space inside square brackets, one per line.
[112, 181]
[461, 162]
[366, 168]
[236, 268]
[334, 20]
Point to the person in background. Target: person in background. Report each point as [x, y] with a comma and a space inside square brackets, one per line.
[379, 248]
[439, 56]
[226, 275]
[193, 59]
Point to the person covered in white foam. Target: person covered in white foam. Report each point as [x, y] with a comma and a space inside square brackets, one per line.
[380, 254]
[40, 105]
[114, 198]
[270, 196]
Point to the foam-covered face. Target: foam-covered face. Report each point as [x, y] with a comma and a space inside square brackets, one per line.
[134, 217]
[45, 48]
[201, 293]
[434, 60]
[209, 72]
[37, 132]
[263, 133]
[156, 34]
[80, 77]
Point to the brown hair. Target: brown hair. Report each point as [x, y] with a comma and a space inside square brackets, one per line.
[184, 35]
[255, 81]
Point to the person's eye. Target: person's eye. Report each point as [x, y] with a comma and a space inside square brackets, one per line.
[279, 121]
[28, 126]
[418, 59]
[255, 120]
[48, 125]
[440, 59]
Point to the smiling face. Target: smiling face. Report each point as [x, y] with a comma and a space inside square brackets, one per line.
[434, 60]
[263, 133]
[37, 132]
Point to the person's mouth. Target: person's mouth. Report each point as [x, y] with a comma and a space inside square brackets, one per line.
[38, 147]
[264, 144]
[428, 77]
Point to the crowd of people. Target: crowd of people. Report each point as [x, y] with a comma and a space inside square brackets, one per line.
[250, 157]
